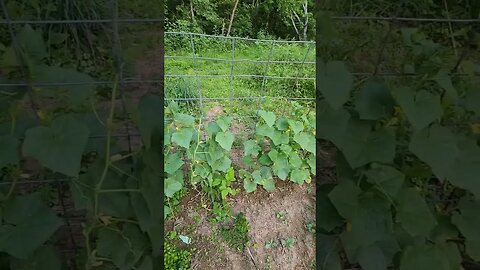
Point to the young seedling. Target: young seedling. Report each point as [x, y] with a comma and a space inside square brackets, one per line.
[271, 244]
[281, 216]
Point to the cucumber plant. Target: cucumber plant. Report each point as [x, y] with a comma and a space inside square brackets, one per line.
[283, 147]
[406, 185]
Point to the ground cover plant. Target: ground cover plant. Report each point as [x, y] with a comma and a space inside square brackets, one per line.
[401, 190]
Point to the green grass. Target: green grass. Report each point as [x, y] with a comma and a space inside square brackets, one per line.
[242, 86]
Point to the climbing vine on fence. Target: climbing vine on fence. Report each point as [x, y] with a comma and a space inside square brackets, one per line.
[119, 191]
[407, 184]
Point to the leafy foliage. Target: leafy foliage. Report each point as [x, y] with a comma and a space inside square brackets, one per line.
[406, 185]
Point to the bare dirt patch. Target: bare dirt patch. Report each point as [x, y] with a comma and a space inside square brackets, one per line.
[297, 203]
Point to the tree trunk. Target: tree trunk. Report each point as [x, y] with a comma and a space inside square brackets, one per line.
[231, 17]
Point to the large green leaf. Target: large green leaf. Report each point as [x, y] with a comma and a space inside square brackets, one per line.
[374, 101]
[279, 138]
[372, 221]
[281, 167]
[109, 203]
[148, 117]
[251, 147]
[443, 79]
[372, 258]
[413, 213]
[296, 126]
[362, 145]
[27, 224]
[183, 137]
[329, 217]
[421, 108]
[472, 98]
[425, 256]
[77, 89]
[334, 82]
[436, 146]
[173, 184]
[224, 122]
[125, 248]
[345, 198]
[299, 176]
[32, 44]
[9, 150]
[468, 221]
[268, 117]
[45, 257]
[327, 250]
[58, 147]
[332, 124]
[181, 119]
[465, 169]
[387, 179]
[225, 139]
[173, 162]
[306, 141]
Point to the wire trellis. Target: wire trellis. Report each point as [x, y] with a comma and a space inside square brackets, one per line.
[263, 64]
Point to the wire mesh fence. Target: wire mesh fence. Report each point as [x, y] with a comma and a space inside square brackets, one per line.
[112, 43]
[232, 76]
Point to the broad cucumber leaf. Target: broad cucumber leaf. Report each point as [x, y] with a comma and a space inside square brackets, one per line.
[468, 221]
[421, 108]
[183, 137]
[413, 213]
[296, 126]
[9, 150]
[334, 82]
[426, 256]
[345, 198]
[125, 248]
[76, 94]
[173, 162]
[281, 167]
[268, 117]
[279, 138]
[443, 79]
[148, 118]
[306, 141]
[173, 184]
[466, 167]
[45, 257]
[387, 179]
[183, 120]
[248, 183]
[58, 147]
[225, 139]
[330, 260]
[32, 44]
[251, 148]
[265, 130]
[361, 145]
[28, 224]
[299, 176]
[374, 101]
[224, 122]
[436, 146]
[109, 203]
[282, 124]
[371, 258]
[333, 123]
[330, 219]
